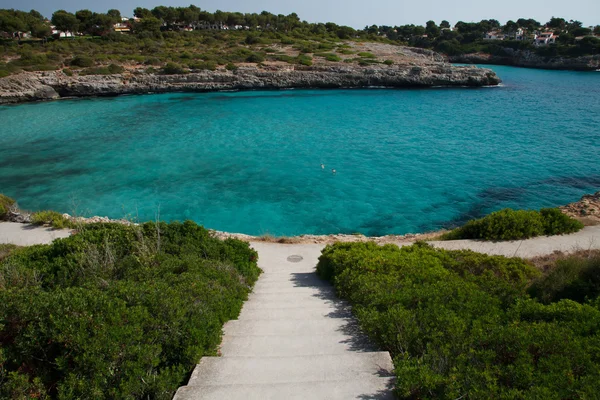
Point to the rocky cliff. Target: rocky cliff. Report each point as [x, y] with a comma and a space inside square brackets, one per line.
[35, 86]
[531, 60]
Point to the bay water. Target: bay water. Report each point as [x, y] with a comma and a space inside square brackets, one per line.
[261, 162]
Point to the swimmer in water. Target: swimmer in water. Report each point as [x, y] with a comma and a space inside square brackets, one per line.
[322, 166]
[333, 171]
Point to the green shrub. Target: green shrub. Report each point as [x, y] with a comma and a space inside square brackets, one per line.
[115, 69]
[329, 56]
[5, 204]
[451, 333]
[82, 61]
[67, 72]
[388, 62]
[118, 312]
[95, 71]
[173, 69]
[557, 223]
[255, 58]
[52, 218]
[152, 61]
[574, 277]
[366, 54]
[231, 67]
[304, 60]
[204, 66]
[510, 224]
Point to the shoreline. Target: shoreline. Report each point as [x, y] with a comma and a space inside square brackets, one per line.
[586, 210]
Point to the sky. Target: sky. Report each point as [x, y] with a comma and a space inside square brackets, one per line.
[355, 13]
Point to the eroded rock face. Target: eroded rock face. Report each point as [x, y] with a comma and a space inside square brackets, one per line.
[51, 85]
[528, 59]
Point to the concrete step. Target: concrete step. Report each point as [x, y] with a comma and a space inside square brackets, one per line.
[265, 370]
[293, 345]
[262, 327]
[292, 303]
[305, 297]
[286, 313]
[325, 293]
[365, 388]
[299, 276]
[291, 290]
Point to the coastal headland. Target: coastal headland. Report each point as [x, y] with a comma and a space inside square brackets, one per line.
[411, 68]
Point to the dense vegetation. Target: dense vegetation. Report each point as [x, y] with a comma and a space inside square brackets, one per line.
[177, 35]
[117, 312]
[510, 224]
[461, 325]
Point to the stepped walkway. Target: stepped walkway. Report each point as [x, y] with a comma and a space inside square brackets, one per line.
[293, 340]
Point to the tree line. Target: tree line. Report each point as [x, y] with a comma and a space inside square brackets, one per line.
[463, 37]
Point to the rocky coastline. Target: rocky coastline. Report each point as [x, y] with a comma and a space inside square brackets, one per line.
[38, 86]
[527, 59]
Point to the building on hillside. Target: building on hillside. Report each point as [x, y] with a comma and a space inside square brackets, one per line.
[494, 35]
[545, 38]
[122, 27]
[61, 34]
[215, 26]
[520, 35]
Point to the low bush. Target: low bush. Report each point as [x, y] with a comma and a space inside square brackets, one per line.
[203, 66]
[365, 54]
[52, 218]
[329, 56]
[115, 69]
[304, 60]
[574, 277]
[510, 224]
[452, 333]
[173, 69]
[5, 204]
[82, 61]
[388, 62]
[117, 312]
[255, 58]
[557, 223]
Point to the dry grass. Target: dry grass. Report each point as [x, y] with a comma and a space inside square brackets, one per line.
[548, 262]
[280, 239]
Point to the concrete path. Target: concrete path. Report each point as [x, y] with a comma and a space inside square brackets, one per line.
[28, 235]
[586, 239]
[293, 340]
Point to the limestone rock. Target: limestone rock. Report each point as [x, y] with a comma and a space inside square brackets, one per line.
[32, 86]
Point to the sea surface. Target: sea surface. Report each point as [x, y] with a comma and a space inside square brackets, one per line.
[250, 162]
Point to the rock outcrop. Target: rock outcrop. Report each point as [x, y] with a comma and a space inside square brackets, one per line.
[587, 209]
[35, 86]
[528, 59]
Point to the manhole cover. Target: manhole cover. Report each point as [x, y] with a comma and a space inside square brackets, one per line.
[295, 258]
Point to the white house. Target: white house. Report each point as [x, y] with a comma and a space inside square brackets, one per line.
[61, 33]
[545, 38]
[494, 35]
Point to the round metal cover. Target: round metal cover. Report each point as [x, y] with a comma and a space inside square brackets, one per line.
[295, 258]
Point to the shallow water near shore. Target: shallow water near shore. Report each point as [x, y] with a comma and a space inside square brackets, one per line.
[250, 162]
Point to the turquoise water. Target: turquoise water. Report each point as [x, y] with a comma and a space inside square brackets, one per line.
[406, 160]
